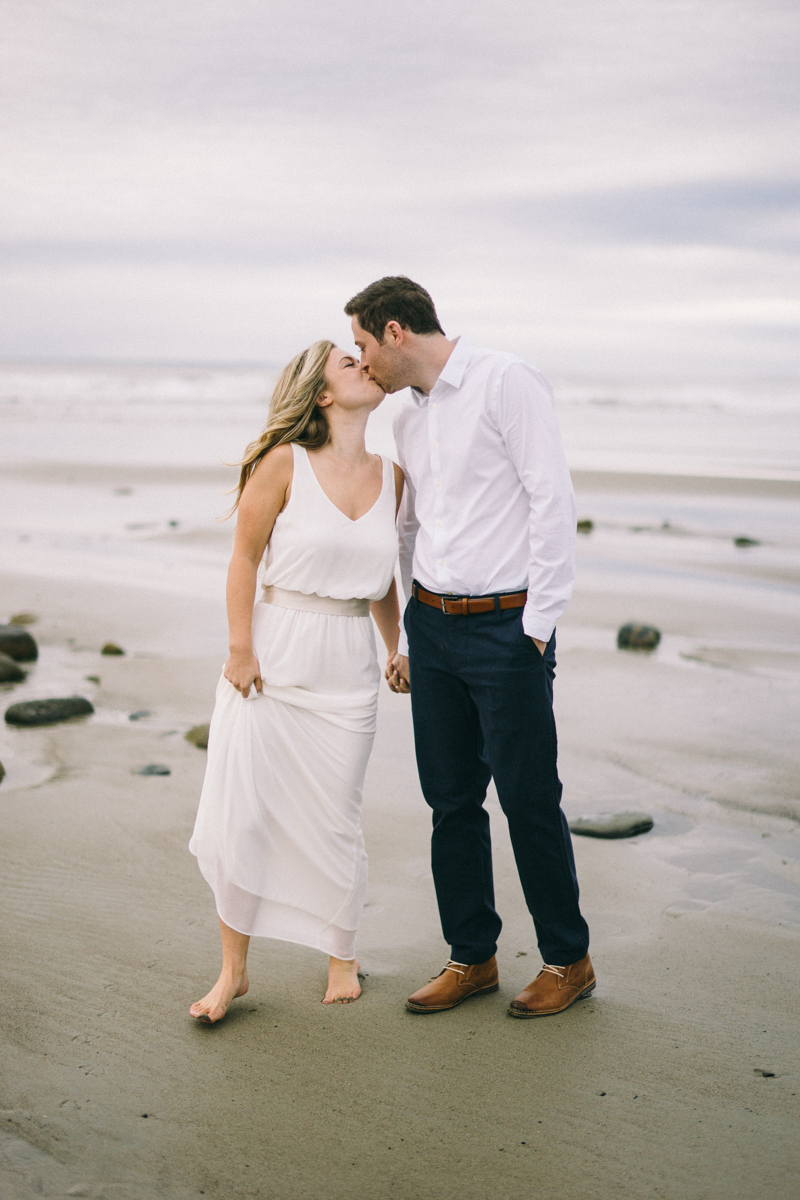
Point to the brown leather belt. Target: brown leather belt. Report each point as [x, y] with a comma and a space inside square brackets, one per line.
[464, 605]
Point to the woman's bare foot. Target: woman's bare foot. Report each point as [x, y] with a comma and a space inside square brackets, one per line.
[343, 985]
[214, 1006]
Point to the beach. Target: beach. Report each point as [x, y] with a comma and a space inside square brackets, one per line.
[678, 1078]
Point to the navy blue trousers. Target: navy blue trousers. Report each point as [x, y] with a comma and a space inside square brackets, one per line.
[482, 702]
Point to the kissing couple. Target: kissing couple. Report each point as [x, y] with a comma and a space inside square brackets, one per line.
[480, 508]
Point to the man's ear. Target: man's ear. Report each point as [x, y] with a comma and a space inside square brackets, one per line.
[394, 333]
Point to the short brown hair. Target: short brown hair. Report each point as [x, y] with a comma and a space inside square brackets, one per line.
[394, 298]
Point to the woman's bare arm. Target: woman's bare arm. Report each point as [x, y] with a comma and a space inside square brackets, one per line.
[397, 673]
[387, 617]
[266, 493]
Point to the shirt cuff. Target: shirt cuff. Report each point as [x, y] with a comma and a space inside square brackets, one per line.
[535, 625]
[402, 645]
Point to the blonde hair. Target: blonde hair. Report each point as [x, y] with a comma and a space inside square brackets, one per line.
[293, 412]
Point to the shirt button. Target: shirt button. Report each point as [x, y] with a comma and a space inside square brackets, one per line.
[438, 483]
[438, 522]
[441, 562]
[435, 404]
[434, 443]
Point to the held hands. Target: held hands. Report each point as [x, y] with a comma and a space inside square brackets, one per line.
[398, 676]
[397, 673]
[242, 670]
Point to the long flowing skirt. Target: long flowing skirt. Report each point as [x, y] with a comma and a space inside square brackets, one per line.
[278, 830]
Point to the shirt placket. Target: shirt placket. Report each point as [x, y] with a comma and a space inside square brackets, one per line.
[439, 528]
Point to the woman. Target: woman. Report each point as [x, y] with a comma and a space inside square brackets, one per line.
[278, 832]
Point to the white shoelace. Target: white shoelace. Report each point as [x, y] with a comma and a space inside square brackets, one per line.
[452, 965]
[559, 971]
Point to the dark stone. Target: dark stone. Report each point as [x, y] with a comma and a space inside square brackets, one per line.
[2, 772]
[198, 736]
[18, 644]
[585, 526]
[9, 671]
[47, 712]
[745, 541]
[638, 637]
[766, 1074]
[92, 678]
[153, 769]
[137, 716]
[112, 648]
[23, 618]
[612, 825]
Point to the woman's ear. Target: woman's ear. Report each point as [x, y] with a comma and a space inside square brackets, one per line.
[324, 400]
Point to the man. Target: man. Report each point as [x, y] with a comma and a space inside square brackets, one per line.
[486, 553]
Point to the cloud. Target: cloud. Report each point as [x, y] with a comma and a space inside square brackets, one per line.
[576, 181]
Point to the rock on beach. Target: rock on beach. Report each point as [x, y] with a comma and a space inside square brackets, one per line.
[18, 644]
[9, 671]
[23, 618]
[111, 648]
[612, 825]
[48, 712]
[198, 736]
[638, 637]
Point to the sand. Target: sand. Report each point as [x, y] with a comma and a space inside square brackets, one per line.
[649, 1089]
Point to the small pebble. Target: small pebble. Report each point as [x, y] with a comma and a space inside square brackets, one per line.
[153, 769]
[2, 772]
[137, 716]
[585, 526]
[746, 541]
[92, 678]
[112, 648]
[766, 1074]
[23, 618]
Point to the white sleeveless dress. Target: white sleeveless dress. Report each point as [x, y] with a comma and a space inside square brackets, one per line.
[278, 830]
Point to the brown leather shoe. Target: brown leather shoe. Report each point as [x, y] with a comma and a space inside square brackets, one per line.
[554, 989]
[456, 983]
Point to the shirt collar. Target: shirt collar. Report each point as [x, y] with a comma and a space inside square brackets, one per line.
[453, 370]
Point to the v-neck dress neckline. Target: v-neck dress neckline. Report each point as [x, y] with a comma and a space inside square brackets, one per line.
[352, 520]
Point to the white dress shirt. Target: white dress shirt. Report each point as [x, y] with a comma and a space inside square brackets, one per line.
[489, 505]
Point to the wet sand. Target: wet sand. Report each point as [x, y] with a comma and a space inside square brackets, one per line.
[650, 1088]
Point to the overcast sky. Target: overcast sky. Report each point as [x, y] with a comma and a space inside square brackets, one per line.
[608, 187]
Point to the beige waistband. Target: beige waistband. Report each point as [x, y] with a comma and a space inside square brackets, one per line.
[316, 604]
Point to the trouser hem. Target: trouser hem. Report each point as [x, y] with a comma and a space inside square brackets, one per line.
[472, 958]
